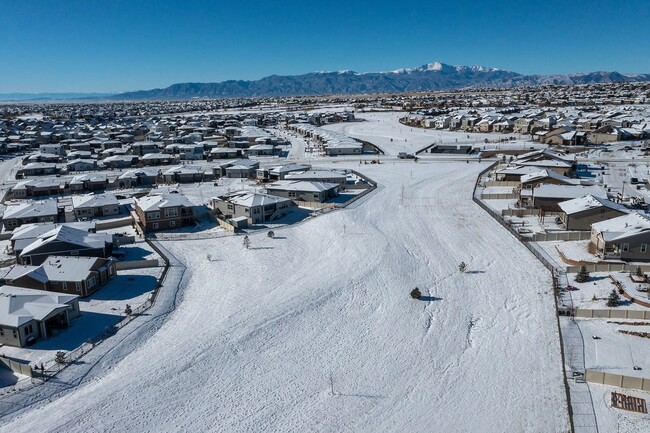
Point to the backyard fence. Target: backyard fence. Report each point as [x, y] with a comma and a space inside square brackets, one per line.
[620, 380]
[500, 196]
[19, 367]
[137, 264]
[512, 183]
[113, 224]
[608, 267]
[612, 313]
[561, 236]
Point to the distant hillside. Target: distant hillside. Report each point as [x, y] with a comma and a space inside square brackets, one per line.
[24, 97]
[433, 76]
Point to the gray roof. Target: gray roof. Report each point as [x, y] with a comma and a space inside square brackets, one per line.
[93, 200]
[160, 201]
[31, 209]
[19, 305]
[71, 235]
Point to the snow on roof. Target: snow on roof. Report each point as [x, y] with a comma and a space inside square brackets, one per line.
[316, 174]
[543, 174]
[302, 186]
[251, 199]
[546, 163]
[32, 231]
[57, 268]
[160, 201]
[19, 305]
[185, 169]
[70, 235]
[622, 227]
[93, 200]
[31, 209]
[88, 177]
[288, 168]
[588, 202]
[134, 173]
[563, 191]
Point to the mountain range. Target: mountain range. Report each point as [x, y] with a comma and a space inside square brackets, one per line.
[432, 76]
[429, 77]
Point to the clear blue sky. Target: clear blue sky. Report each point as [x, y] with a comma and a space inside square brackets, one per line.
[112, 46]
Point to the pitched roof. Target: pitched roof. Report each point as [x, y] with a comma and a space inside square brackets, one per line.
[71, 235]
[588, 202]
[93, 200]
[19, 305]
[31, 209]
[301, 186]
[159, 201]
[622, 227]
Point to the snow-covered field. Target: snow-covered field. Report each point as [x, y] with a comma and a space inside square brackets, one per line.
[315, 331]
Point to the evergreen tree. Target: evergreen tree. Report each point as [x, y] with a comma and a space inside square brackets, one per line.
[613, 299]
[416, 294]
[583, 275]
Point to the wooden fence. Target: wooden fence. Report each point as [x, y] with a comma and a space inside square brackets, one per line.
[113, 224]
[620, 380]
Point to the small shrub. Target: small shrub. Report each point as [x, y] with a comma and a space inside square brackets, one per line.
[128, 310]
[639, 272]
[60, 358]
[462, 267]
[271, 234]
[416, 294]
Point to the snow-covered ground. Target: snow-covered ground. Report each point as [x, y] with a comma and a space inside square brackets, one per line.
[263, 336]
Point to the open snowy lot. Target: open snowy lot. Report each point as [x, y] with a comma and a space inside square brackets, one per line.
[315, 331]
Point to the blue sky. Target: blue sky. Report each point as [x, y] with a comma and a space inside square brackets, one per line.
[112, 46]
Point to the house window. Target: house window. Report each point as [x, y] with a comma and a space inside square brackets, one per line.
[15, 334]
[91, 282]
[28, 329]
[153, 215]
[170, 213]
[2, 332]
[65, 286]
[74, 253]
[78, 286]
[154, 226]
[172, 224]
[644, 248]
[626, 248]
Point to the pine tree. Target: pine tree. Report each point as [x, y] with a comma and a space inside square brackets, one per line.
[247, 242]
[462, 267]
[613, 299]
[60, 358]
[583, 275]
[416, 294]
[128, 310]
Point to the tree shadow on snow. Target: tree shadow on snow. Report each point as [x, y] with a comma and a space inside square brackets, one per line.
[475, 272]
[429, 298]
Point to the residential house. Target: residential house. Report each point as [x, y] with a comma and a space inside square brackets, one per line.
[18, 214]
[325, 176]
[138, 177]
[90, 206]
[81, 276]
[548, 197]
[580, 213]
[65, 240]
[27, 315]
[164, 211]
[37, 188]
[309, 191]
[81, 165]
[623, 238]
[184, 173]
[89, 182]
[257, 208]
